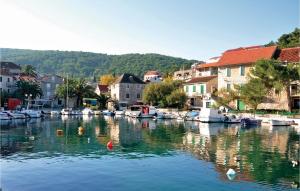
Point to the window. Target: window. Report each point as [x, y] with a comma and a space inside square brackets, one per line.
[48, 94]
[8, 79]
[228, 86]
[186, 88]
[202, 89]
[8, 90]
[194, 88]
[127, 96]
[48, 85]
[127, 85]
[228, 72]
[138, 96]
[207, 104]
[0, 78]
[242, 70]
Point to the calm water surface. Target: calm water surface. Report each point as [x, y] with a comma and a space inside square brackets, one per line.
[146, 155]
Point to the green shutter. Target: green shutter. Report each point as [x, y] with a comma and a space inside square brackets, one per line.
[228, 72]
[194, 88]
[240, 105]
[186, 88]
[242, 70]
[202, 89]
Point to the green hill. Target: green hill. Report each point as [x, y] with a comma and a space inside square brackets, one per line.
[87, 64]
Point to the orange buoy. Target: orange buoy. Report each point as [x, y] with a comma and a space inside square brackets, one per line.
[59, 132]
[109, 145]
[80, 130]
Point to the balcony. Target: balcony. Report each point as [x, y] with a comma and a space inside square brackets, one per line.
[11, 84]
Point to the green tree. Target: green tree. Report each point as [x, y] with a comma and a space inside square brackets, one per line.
[75, 88]
[66, 90]
[26, 87]
[29, 70]
[252, 93]
[276, 76]
[177, 98]
[290, 40]
[157, 93]
[223, 97]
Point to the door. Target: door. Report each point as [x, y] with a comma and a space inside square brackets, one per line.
[240, 105]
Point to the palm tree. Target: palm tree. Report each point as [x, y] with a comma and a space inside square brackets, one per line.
[29, 70]
[81, 90]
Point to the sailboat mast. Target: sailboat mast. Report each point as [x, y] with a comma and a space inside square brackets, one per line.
[67, 91]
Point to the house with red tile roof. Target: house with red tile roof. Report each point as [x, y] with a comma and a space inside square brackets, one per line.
[102, 89]
[199, 90]
[152, 76]
[234, 65]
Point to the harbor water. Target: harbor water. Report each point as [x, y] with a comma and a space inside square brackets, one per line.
[71, 153]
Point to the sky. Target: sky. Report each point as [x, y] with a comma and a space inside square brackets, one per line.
[192, 29]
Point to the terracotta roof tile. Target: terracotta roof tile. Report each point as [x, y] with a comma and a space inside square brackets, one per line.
[201, 79]
[289, 54]
[246, 55]
[153, 72]
[103, 88]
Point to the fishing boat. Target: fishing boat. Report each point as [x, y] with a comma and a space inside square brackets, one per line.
[15, 115]
[248, 122]
[141, 111]
[32, 113]
[192, 116]
[164, 115]
[208, 115]
[278, 122]
[4, 116]
[231, 119]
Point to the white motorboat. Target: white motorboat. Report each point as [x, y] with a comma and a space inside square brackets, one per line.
[66, 111]
[54, 113]
[209, 115]
[278, 122]
[142, 111]
[120, 112]
[15, 115]
[87, 111]
[32, 113]
[4, 116]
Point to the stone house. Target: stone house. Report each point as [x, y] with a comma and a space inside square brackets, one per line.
[49, 83]
[127, 89]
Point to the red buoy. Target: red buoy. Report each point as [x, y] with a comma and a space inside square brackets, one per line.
[109, 145]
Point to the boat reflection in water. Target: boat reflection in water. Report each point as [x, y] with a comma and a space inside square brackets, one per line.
[260, 156]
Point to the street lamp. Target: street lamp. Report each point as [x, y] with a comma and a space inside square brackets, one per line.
[28, 99]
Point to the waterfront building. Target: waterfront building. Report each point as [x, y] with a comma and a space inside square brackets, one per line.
[127, 89]
[49, 83]
[11, 67]
[7, 81]
[234, 66]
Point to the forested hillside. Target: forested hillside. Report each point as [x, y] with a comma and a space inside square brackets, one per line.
[87, 64]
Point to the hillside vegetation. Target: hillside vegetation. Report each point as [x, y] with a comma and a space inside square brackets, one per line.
[87, 64]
